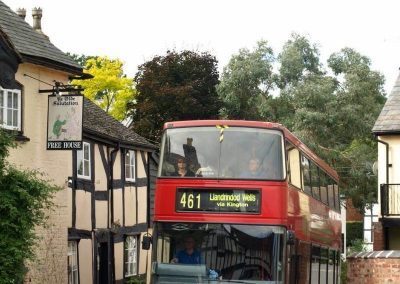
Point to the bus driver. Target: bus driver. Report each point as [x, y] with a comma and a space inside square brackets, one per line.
[189, 255]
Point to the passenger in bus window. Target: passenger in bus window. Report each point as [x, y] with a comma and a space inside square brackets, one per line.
[182, 170]
[254, 169]
[189, 255]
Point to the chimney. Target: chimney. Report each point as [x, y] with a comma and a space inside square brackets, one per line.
[21, 12]
[37, 20]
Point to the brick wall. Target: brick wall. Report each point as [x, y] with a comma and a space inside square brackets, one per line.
[50, 264]
[352, 214]
[374, 267]
[379, 236]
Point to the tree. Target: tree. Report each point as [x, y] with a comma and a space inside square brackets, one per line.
[25, 198]
[176, 86]
[332, 110]
[109, 88]
[246, 83]
[298, 59]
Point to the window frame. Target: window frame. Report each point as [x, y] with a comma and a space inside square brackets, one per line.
[306, 172]
[4, 106]
[83, 176]
[74, 255]
[132, 167]
[127, 262]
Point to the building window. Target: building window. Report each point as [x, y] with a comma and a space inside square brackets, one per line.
[130, 159]
[83, 161]
[73, 275]
[131, 256]
[10, 109]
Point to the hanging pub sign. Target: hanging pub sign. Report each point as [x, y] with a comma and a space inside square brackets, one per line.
[64, 122]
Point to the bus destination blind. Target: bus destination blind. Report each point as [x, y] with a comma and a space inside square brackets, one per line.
[217, 200]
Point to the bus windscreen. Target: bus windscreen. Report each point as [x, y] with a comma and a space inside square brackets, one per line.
[188, 252]
[222, 153]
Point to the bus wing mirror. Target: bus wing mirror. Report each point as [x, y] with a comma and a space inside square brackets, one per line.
[291, 237]
[146, 242]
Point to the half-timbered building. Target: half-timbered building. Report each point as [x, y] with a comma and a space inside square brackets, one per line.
[109, 194]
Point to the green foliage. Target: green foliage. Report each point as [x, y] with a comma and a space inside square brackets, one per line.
[358, 245]
[25, 197]
[246, 83]
[354, 232]
[331, 108]
[109, 88]
[297, 59]
[81, 59]
[177, 86]
[343, 271]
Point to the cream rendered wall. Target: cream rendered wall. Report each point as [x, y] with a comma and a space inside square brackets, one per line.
[141, 171]
[142, 204]
[117, 166]
[83, 210]
[130, 206]
[142, 191]
[144, 256]
[118, 206]
[85, 261]
[100, 181]
[69, 207]
[100, 175]
[50, 265]
[119, 260]
[394, 154]
[101, 214]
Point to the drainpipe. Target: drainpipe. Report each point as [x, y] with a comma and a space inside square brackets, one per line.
[111, 274]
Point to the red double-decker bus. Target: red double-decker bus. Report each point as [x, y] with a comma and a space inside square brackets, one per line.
[243, 202]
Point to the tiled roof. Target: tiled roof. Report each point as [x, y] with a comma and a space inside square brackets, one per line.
[97, 121]
[28, 43]
[389, 119]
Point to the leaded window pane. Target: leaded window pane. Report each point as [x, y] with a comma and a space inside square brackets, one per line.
[10, 112]
[86, 168]
[15, 100]
[130, 165]
[15, 118]
[9, 117]
[130, 256]
[83, 161]
[9, 99]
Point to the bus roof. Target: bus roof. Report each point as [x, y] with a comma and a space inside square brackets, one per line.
[258, 124]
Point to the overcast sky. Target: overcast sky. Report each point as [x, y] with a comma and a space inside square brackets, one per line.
[135, 31]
